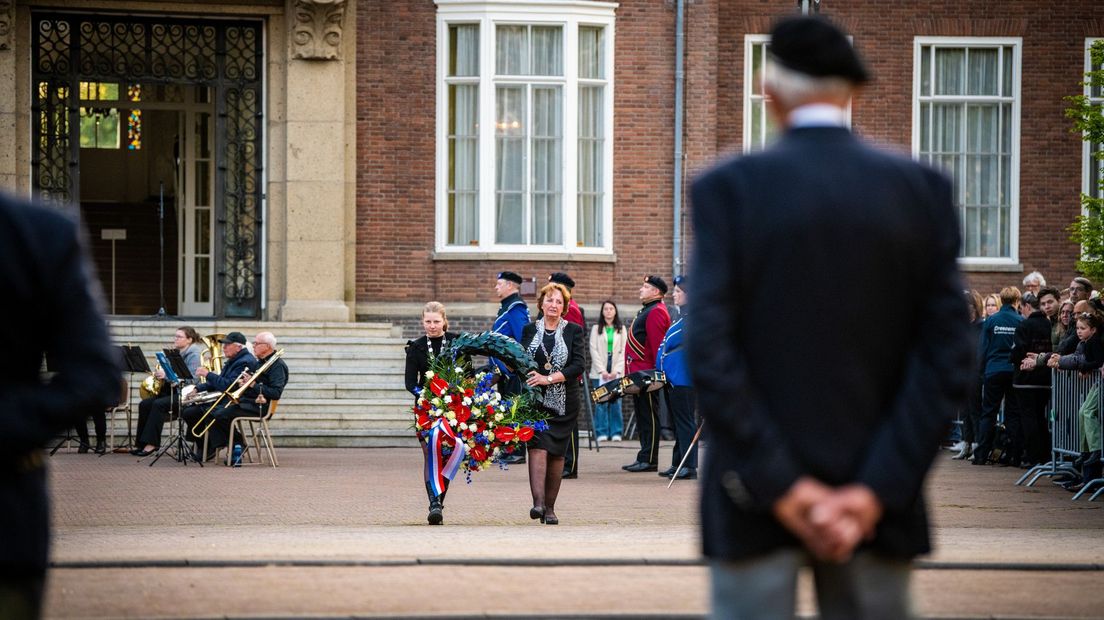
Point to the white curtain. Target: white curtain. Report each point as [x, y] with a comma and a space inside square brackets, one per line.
[464, 50]
[547, 50]
[463, 164]
[510, 164]
[511, 50]
[547, 195]
[591, 49]
[589, 209]
[972, 141]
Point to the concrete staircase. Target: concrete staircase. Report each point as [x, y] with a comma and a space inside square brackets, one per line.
[346, 379]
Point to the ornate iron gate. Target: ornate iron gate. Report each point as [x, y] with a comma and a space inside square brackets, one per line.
[225, 55]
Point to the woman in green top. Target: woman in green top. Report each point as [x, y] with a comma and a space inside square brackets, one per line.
[607, 362]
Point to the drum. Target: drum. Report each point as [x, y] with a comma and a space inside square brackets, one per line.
[643, 381]
[607, 392]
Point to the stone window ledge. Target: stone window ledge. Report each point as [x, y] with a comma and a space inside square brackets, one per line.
[553, 257]
[991, 268]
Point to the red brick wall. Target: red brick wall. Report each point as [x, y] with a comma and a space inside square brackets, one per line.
[396, 129]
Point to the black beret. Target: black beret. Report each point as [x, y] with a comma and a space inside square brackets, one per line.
[511, 276]
[815, 47]
[562, 278]
[680, 281]
[237, 337]
[657, 282]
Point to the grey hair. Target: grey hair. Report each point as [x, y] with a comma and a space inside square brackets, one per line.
[1036, 276]
[267, 338]
[793, 88]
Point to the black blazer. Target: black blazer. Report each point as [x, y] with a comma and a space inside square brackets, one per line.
[799, 368]
[51, 307]
[417, 360]
[576, 362]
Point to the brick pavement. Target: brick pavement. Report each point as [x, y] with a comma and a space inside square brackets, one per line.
[344, 534]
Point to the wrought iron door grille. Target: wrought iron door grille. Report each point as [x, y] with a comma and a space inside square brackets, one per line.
[225, 55]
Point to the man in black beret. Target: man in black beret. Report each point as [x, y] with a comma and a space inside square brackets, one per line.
[572, 314]
[820, 457]
[648, 328]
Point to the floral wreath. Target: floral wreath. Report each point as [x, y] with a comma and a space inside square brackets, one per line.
[463, 418]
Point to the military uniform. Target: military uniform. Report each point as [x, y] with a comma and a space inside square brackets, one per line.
[645, 335]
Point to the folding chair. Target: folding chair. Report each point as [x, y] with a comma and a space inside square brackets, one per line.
[259, 434]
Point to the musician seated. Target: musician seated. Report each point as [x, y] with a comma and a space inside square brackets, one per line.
[152, 412]
[255, 401]
[238, 360]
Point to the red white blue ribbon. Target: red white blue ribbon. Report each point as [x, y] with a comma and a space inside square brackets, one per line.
[440, 470]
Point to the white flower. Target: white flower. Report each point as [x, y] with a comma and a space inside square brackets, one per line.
[498, 417]
[429, 374]
[452, 420]
[451, 416]
[488, 434]
[463, 426]
[448, 399]
[467, 400]
[459, 370]
[437, 402]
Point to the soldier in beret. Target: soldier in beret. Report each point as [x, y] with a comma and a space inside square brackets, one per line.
[513, 316]
[819, 459]
[645, 335]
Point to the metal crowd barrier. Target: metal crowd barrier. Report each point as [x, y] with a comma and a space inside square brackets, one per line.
[1068, 391]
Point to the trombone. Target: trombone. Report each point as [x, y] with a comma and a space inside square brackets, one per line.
[206, 421]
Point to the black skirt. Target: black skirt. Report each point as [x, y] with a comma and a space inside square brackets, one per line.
[560, 427]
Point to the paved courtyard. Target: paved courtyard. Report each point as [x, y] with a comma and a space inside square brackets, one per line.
[341, 533]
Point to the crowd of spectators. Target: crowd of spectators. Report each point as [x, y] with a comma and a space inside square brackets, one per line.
[1021, 337]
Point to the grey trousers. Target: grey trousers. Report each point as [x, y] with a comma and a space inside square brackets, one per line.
[765, 588]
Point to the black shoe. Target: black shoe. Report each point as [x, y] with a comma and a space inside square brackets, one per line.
[639, 467]
[138, 452]
[687, 473]
[569, 475]
[537, 513]
[550, 520]
[101, 447]
[436, 513]
[667, 473]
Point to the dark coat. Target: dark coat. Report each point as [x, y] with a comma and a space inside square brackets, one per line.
[576, 360]
[417, 360]
[819, 380]
[1032, 336]
[271, 384]
[51, 307]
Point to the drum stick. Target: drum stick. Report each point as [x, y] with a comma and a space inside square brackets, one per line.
[685, 456]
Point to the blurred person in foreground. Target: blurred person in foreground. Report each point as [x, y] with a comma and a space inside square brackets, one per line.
[820, 458]
[52, 310]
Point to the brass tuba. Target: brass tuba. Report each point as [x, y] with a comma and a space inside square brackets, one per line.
[212, 359]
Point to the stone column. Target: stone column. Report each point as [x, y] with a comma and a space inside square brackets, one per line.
[316, 168]
[8, 177]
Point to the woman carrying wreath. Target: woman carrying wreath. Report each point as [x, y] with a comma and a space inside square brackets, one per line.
[557, 347]
[420, 353]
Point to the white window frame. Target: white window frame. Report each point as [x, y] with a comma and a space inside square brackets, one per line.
[1016, 43]
[570, 15]
[1086, 158]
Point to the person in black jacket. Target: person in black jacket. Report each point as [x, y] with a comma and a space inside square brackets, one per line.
[1026, 422]
[198, 418]
[995, 351]
[557, 347]
[821, 457]
[420, 354]
[255, 401]
[1089, 357]
[52, 309]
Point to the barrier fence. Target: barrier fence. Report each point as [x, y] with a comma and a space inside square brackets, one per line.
[1069, 390]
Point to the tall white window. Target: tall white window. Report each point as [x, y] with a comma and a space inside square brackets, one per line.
[1094, 168]
[966, 121]
[759, 127]
[524, 150]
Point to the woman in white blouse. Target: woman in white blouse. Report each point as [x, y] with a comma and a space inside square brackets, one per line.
[607, 362]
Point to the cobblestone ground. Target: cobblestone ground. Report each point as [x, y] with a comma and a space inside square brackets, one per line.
[341, 533]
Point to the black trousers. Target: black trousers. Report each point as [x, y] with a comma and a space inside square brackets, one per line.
[996, 388]
[648, 426]
[1031, 408]
[972, 413]
[99, 420]
[680, 402]
[219, 435]
[152, 413]
[571, 457]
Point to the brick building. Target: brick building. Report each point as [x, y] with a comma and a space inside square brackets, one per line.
[363, 157]
[992, 100]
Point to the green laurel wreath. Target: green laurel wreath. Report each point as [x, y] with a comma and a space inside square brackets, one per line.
[492, 344]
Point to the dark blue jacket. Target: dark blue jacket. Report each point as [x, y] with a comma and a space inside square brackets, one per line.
[218, 382]
[671, 358]
[513, 316]
[997, 337]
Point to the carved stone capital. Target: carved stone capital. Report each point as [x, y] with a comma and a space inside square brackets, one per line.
[7, 16]
[316, 30]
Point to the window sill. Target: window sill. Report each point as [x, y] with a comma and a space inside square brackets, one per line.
[990, 267]
[557, 257]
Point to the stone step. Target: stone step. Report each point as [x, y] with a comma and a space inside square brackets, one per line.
[126, 326]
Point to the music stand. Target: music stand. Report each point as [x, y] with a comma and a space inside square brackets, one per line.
[176, 371]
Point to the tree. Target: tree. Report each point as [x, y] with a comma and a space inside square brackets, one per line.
[1088, 120]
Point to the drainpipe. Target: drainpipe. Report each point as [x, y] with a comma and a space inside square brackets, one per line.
[676, 259]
